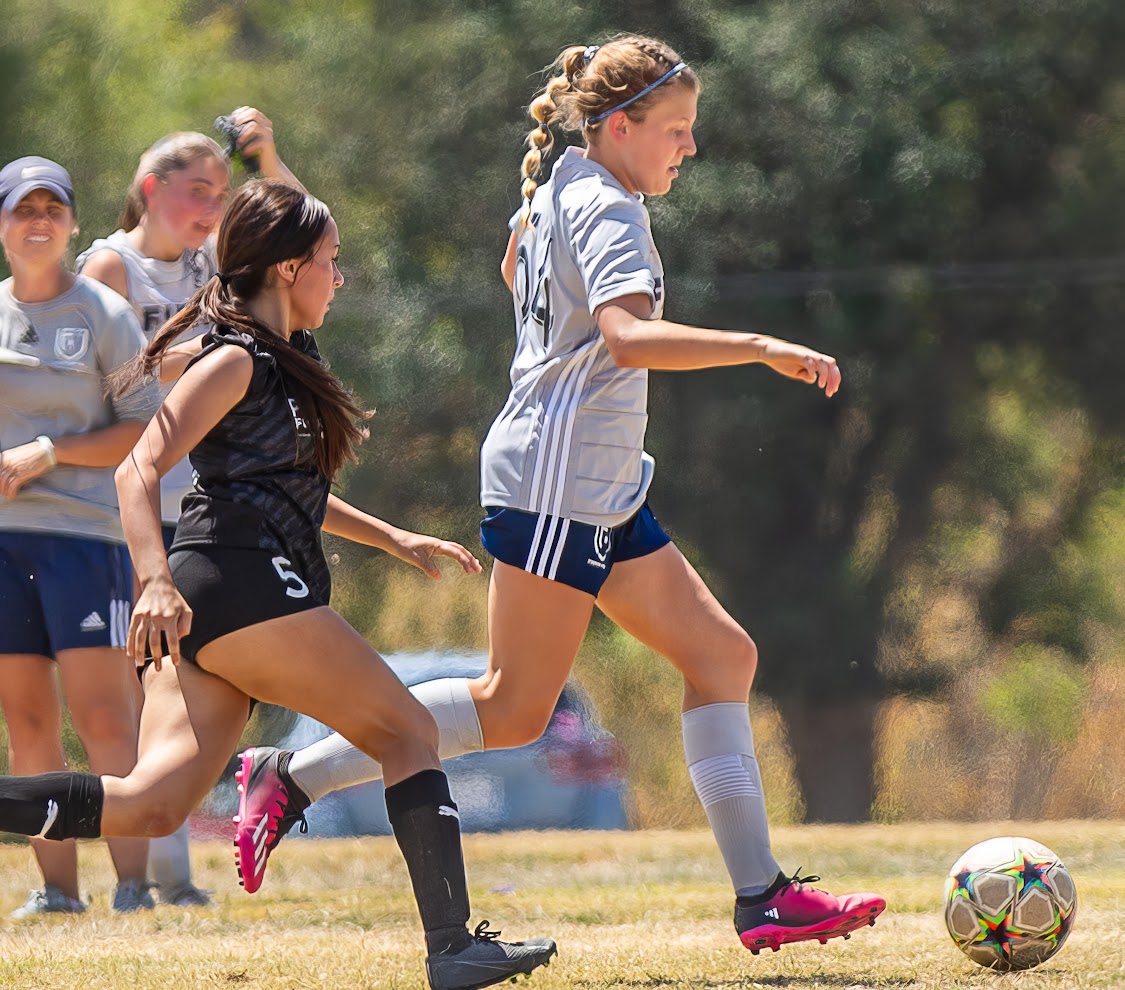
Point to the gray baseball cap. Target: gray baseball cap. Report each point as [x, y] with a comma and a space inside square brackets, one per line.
[24, 175]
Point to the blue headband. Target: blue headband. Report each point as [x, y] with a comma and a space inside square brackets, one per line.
[678, 67]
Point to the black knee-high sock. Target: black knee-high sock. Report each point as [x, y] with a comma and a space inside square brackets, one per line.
[54, 805]
[427, 829]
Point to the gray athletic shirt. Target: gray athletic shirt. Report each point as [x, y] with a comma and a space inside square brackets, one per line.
[54, 359]
[570, 439]
[157, 291]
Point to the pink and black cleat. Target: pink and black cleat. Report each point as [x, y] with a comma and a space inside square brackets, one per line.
[269, 805]
[791, 912]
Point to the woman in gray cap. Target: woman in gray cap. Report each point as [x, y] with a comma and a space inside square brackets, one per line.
[65, 579]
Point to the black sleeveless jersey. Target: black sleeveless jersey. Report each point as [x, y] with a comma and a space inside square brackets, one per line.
[256, 480]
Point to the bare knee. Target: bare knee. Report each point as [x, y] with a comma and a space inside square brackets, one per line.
[727, 676]
[746, 661]
[100, 725]
[162, 821]
[150, 812]
[32, 731]
[506, 725]
[406, 726]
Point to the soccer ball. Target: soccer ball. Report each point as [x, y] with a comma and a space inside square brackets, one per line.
[1009, 903]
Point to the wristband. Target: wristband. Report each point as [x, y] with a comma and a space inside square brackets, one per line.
[48, 448]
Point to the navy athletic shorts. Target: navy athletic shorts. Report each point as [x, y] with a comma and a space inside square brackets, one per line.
[62, 593]
[570, 552]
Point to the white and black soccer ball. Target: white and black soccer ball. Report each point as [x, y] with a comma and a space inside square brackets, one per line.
[1009, 903]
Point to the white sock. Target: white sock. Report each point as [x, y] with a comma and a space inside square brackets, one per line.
[719, 747]
[334, 763]
[169, 862]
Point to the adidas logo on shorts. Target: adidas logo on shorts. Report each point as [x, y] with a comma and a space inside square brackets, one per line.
[92, 623]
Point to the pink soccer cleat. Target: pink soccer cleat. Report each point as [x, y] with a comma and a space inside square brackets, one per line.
[269, 805]
[791, 912]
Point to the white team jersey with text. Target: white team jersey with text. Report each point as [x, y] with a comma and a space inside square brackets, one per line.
[569, 441]
[157, 291]
[55, 359]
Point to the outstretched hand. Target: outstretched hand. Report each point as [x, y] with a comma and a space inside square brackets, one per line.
[804, 364]
[421, 551]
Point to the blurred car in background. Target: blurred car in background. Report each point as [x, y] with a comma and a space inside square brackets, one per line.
[572, 777]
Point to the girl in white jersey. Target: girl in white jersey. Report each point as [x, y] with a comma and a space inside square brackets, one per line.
[65, 580]
[160, 256]
[565, 479]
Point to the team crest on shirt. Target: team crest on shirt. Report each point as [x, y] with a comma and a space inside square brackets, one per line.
[71, 343]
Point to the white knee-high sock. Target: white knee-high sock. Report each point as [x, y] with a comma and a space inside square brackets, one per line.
[333, 762]
[719, 747]
[169, 862]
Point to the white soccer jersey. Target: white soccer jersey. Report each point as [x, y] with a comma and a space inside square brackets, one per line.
[569, 441]
[157, 291]
[55, 357]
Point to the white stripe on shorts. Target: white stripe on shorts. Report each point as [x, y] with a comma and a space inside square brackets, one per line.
[548, 541]
[533, 549]
[117, 628]
[557, 559]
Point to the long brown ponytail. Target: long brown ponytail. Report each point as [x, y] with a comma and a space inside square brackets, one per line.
[266, 222]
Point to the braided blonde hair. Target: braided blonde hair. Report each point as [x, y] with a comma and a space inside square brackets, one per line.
[588, 81]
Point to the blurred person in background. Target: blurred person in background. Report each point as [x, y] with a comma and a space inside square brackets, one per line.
[65, 578]
[162, 254]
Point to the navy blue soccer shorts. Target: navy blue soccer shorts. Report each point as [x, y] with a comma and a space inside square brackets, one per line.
[62, 593]
[572, 553]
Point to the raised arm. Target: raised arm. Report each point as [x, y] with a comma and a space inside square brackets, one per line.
[634, 341]
[508, 265]
[342, 519]
[206, 392]
[256, 139]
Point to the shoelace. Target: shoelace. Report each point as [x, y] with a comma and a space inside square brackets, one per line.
[295, 818]
[799, 880]
[484, 934]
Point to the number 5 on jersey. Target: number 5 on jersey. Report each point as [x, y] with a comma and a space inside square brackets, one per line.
[280, 564]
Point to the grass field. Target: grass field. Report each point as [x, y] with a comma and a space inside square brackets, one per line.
[636, 910]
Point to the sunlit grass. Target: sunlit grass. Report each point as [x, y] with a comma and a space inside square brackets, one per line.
[639, 909]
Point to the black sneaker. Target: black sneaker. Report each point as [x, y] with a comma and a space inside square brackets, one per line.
[485, 960]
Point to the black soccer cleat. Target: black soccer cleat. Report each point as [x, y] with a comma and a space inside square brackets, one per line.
[485, 960]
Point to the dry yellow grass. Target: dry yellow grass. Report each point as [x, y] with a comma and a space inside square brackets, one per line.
[631, 910]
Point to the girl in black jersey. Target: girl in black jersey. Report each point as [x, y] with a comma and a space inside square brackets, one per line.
[243, 595]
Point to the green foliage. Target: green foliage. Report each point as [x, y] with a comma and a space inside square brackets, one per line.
[1037, 695]
[931, 191]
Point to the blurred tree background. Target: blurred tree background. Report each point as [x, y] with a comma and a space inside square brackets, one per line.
[932, 563]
